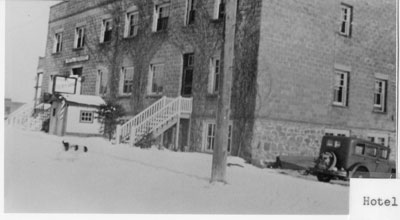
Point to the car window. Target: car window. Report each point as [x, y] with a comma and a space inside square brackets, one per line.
[337, 144]
[384, 154]
[329, 143]
[371, 151]
[359, 149]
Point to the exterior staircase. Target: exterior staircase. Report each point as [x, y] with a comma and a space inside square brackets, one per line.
[155, 119]
[29, 117]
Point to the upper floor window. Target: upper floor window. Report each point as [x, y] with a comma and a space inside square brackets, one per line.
[106, 30]
[79, 41]
[215, 71]
[57, 46]
[161, 16]
[340, 92]
[127, 79]
[156, 78]
[345, 19]
[219, 9]
[131, 24]
[380, 95]
[190, 12]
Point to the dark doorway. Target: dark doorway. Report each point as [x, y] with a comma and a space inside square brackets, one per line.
[187, 75]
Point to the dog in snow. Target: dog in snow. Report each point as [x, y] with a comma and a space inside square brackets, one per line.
[74, 147]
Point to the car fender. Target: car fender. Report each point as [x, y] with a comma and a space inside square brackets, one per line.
[355, 166]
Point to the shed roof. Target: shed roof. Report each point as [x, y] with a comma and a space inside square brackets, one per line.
[84, 99]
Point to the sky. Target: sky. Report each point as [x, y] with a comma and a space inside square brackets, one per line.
[26, 24]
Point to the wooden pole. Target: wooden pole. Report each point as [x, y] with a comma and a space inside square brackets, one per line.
[218, 172]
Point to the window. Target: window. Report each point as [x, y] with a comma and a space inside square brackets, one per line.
[384, 154]
[106, 30]
[161, 16]
[209, 135]
[340, 94]
[79, 41]
[219, 9]
[57, 47]
[39, 81]
[102, 83]
[190, 13]
[187, 75]
[371, 151]
[215, 70]
[86, 117]
[380, 95]
[77, 71]
[382, 139]
[131, 24]
[8, 110]
[127, 79]
[359, 149]
[345, 19]
[337, 132]
[156, 79]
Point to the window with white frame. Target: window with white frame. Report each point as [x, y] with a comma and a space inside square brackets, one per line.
[57, 46]
[161, 16]
[209, 136]
[131, 24]
[106, 30]
[190, 11]
[337, 132]
[86, 117]
[101, 82]
[127, 79]
[219, 9]
[156, 78]
[380, 95]
[345, 19]
[340, 93]
[215, 71]
[79, 41]
[382, 139]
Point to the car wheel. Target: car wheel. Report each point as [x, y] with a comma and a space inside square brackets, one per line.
[323, 178]
[361, 173]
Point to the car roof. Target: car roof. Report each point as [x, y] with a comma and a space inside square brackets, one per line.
[356, 139]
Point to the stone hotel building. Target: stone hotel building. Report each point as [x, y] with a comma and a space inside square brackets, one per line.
[300, 69]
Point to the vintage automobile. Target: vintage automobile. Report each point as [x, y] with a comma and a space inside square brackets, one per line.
[348, 157]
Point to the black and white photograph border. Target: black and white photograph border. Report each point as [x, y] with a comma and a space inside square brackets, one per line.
[245, 108]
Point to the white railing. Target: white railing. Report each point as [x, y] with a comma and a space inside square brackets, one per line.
[156, 115]
[23, 117]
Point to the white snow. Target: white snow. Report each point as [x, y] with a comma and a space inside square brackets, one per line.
[42, 178]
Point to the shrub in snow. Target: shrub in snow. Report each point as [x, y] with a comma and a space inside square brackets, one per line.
[110, 115]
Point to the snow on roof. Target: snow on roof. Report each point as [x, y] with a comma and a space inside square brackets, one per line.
[84, 99]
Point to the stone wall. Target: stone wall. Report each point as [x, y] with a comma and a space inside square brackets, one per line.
[273, 138]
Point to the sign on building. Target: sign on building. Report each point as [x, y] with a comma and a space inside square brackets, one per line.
[64, 84]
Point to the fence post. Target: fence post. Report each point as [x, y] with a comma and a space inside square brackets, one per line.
[118, 135]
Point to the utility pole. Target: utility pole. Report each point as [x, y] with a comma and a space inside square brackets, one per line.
[224, 101]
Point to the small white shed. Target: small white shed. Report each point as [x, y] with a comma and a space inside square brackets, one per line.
[75, 115]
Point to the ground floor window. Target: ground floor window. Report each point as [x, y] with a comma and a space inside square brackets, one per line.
[337, 132]
[209, 136]
[86, 117]
[381, 139]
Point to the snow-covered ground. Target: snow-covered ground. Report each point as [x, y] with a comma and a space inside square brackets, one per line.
[41, 178]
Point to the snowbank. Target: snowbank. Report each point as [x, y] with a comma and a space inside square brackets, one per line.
[41, 177]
